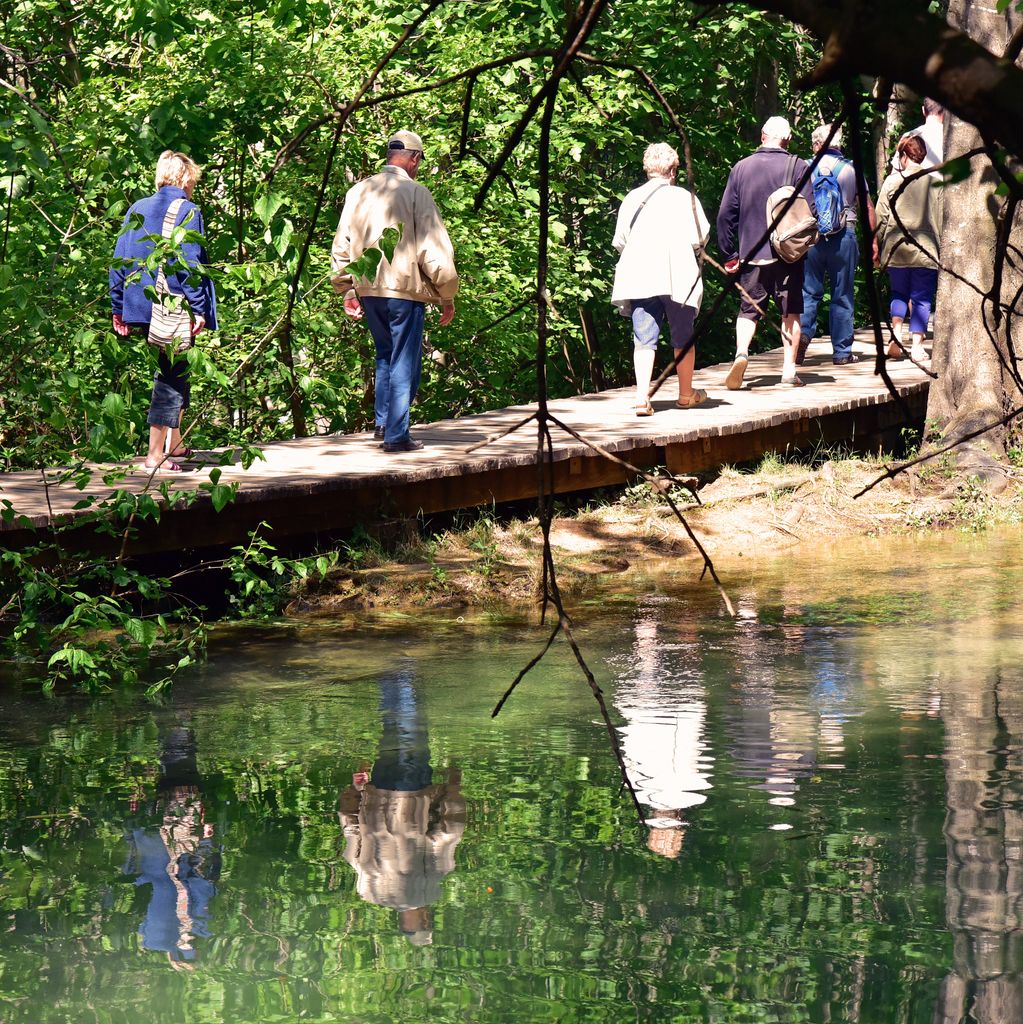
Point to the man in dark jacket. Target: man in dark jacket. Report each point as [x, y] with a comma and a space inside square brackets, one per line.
[743, 238]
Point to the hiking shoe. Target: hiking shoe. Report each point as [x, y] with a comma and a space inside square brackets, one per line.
[845, 360]
[378, 433]
[735, 375]
[408, 444]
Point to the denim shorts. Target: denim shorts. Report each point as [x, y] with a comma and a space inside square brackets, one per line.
[648, 316]
[171, 393]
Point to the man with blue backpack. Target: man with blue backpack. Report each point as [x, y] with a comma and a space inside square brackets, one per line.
[835, 255]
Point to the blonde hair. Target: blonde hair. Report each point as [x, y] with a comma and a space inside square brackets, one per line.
[659, 158]
[177, 169]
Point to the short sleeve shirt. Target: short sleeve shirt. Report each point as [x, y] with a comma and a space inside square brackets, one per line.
[846, 175]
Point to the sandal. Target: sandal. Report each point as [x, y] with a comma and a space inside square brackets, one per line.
[645, 410]
[698, 397]
[793, 382]
[183, 453]
[164, 466]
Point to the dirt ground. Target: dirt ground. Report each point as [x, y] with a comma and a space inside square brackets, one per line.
[494, 563]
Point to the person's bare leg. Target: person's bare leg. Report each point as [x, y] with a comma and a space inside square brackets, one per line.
[157, 446]
[790, 345]
[643, 361]
[894, 351]
[744, 331]
[684, 369]
[919, 353]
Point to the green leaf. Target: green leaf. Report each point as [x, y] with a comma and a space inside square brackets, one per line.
[389, 240]
[267, 205]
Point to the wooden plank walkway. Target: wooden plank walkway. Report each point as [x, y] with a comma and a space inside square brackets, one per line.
[328, 483]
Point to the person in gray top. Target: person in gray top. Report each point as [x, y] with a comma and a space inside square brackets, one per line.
[835, 255]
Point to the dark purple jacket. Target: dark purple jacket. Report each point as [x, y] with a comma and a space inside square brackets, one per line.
[129, 300]
[742, 218]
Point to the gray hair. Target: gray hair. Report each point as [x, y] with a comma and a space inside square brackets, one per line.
[820, 137]
[661, 159]
[776, 128]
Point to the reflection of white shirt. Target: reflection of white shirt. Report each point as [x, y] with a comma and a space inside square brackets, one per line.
[664, 751]
[932, 134]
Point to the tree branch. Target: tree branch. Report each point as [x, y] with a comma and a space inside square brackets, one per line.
[905, 43]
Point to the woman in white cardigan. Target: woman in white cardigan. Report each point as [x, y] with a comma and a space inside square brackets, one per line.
[661, 229]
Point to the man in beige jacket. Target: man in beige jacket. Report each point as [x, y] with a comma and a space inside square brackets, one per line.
[422, 270]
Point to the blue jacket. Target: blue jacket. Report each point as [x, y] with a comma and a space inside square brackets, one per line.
[129, 301]
[742, 218]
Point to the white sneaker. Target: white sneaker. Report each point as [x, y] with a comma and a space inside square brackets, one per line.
[735, 375]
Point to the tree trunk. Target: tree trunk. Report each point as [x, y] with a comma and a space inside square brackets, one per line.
[984, 840]
[977, 383]
[889, 129]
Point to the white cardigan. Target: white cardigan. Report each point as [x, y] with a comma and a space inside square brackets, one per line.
[658, 253]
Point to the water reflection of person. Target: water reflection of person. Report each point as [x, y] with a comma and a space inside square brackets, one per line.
[179, 859]
[663, 740]
[774, 729]
[400, 828]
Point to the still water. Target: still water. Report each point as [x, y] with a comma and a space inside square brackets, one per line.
[325, 824]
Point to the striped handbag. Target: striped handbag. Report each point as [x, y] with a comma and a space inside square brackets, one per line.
[170, 327]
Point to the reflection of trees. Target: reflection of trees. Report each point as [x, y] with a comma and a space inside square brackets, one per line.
[984, 839]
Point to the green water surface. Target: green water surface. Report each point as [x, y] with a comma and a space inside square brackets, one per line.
[324, 823]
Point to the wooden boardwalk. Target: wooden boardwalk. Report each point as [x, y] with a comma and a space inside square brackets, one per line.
[326, 483]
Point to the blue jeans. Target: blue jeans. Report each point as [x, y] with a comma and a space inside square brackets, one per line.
[397, 329]
[834, 257]
[916, 285]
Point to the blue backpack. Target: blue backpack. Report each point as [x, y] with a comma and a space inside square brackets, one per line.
[827, 197]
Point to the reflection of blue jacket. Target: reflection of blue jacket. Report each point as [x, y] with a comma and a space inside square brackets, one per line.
[162, 929]
[129, 301]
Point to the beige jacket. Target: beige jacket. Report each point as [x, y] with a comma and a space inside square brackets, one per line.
[920, 212]
[402, 845]
[423, 268]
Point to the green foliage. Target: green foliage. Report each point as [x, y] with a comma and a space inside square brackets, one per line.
[367, 265]
[92, 621]
[262, 579]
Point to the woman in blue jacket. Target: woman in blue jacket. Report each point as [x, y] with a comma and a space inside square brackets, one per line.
[176, 176]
